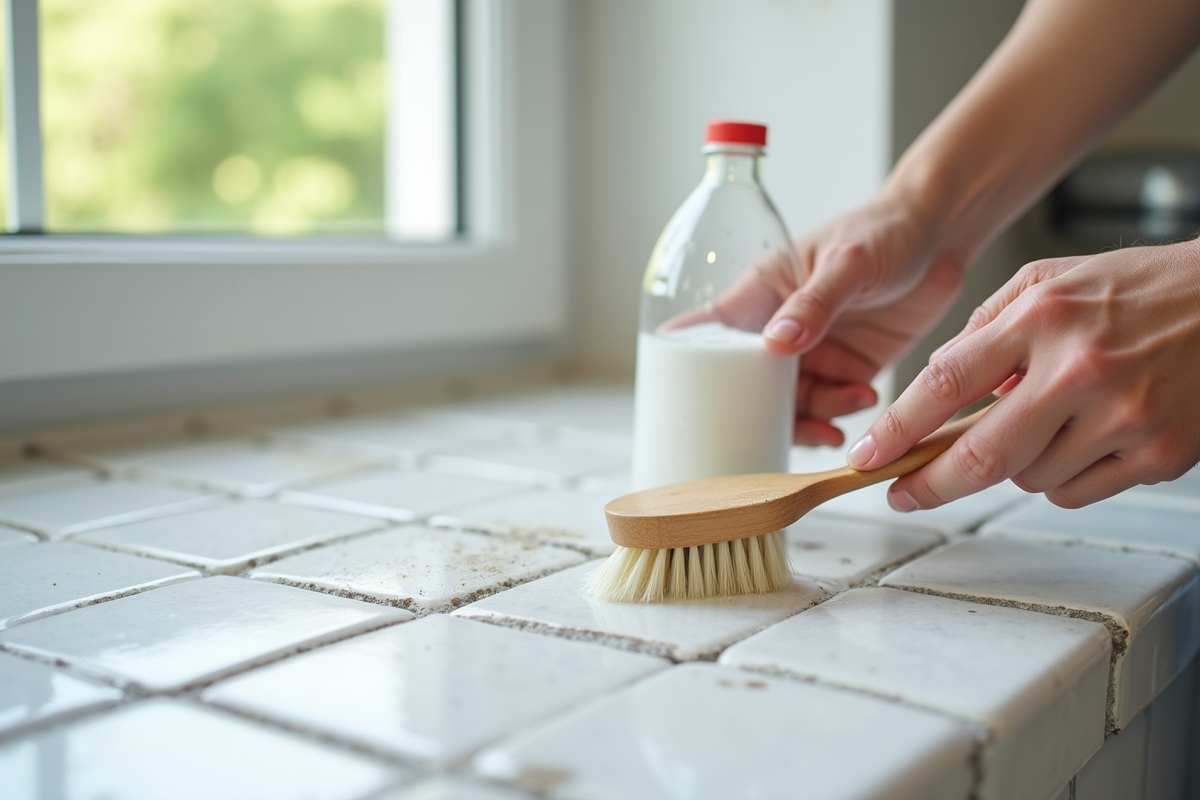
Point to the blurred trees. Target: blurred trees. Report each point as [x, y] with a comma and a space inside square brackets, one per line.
[262, 116]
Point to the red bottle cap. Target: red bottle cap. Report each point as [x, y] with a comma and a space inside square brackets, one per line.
[724, 131]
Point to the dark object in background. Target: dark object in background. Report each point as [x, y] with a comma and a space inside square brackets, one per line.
[1149, 198]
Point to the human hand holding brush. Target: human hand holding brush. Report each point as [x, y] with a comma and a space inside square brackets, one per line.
[1099, 356]
[722, 536]
[1108, 345]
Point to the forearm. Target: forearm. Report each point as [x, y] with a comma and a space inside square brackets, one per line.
[1065, 73]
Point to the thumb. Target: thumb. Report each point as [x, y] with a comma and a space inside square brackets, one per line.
[807, 314]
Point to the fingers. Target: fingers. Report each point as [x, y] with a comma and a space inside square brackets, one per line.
[1007, 386]
[806, 315]
[964, 374]
[1029, 275]
[817, 402]
[1109, 476]
[817, 433]
[693, 316]
[1003, 442]
[1076, 447]
[821, 400]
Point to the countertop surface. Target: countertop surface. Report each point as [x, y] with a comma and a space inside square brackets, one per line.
[387, 604]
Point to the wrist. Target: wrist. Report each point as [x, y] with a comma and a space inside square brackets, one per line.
[950, 205]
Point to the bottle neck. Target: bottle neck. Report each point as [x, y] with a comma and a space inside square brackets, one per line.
[728, 163]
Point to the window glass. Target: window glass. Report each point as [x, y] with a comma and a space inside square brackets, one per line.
[249, 116]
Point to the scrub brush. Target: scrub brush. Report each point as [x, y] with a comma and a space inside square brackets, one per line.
[722, 536]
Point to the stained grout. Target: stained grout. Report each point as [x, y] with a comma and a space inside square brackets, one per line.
[421, 464]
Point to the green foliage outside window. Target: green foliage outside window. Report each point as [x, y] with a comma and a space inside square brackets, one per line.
[262, 116]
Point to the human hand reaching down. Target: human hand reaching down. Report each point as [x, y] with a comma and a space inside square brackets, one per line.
[865, 288]
[1098, 359]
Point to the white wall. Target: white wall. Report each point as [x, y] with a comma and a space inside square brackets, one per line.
[845, 86]
[937, 46]
[817, 72]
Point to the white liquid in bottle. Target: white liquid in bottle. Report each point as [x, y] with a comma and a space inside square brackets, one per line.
[710, 400]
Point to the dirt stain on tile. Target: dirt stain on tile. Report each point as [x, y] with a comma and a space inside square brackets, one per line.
[540, 780]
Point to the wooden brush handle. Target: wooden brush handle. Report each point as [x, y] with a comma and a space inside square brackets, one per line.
[731, 507]
[847, 479]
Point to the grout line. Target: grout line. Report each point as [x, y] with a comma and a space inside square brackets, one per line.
[94, 600]
[135, 691]
[207, 571]
[1095, 544]
[614, 641]
[60, 719]
[323, 737]
[1117, 631]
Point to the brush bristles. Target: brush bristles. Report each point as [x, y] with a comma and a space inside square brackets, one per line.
[755, 565]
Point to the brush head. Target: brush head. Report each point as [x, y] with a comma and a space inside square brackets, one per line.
[754, 565]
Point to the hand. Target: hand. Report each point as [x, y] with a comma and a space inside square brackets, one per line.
[867, 286]
[1099, 359]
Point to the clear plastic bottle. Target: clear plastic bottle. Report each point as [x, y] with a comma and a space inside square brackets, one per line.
[710, 399]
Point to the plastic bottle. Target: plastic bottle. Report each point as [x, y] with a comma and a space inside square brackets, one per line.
[709, 398]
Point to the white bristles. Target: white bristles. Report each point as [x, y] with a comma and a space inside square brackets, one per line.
[755, 565]
[726, 584]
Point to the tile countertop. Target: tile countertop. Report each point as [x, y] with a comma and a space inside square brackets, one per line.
[388, 606]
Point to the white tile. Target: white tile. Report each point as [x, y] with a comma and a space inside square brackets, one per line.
[399, 437]
[555, 515]
[849, 551]
[46, 579]
[591, 407]
[401, 496]
[453, 788]
[65, 509]
[11, 536]
[436, 689]
[243, 466]
[962, 515]
[614, 481]
[195, 632]
[1036, 683]
[681, 630]
[703, 731]
[167, 748]
[1109, 523]
[542, 465]
[420, 568]
[30, 474]
[1182, 493]
[230, 537]
[617, 444]
[1169, 749]
[33, 693]
[1151, 603]
[1116, 771]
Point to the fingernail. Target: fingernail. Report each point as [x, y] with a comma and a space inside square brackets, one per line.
[784, 330]
[902, 501]
[861, 452]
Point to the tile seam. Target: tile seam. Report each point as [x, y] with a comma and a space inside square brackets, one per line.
[1118, 633]
[33, 729]
[1092, 544]
[94, 600]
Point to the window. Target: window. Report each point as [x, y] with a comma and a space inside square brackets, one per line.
[480, 261]
[259, 116]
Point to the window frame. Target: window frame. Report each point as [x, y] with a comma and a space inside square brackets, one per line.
[73, 306]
